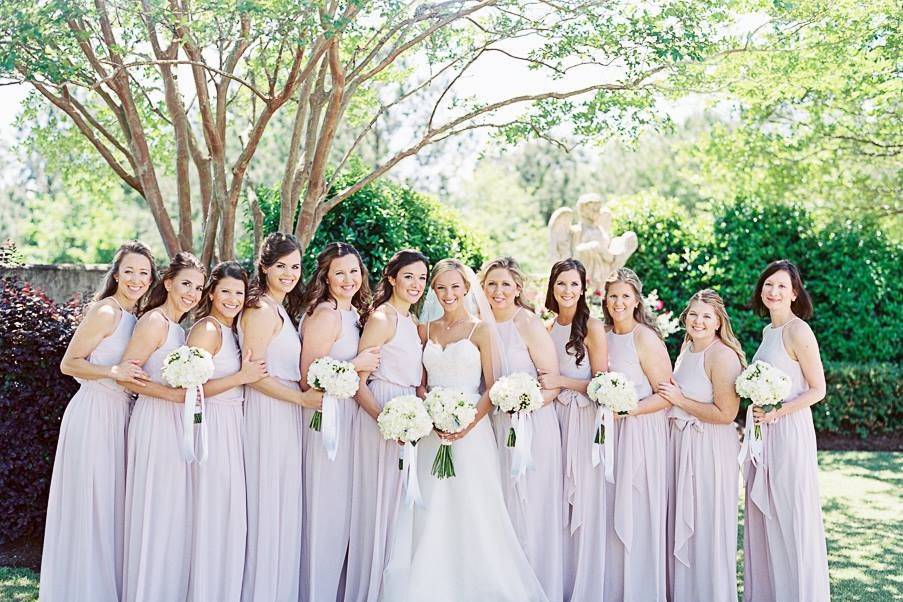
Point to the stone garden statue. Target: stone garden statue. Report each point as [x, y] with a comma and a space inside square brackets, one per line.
[590, 240]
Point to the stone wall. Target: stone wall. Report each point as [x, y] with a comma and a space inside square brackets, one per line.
[60, 282]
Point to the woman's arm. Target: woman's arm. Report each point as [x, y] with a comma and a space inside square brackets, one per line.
[149, 334]
[656, 366]
[320, 332]
[207, 335]
[377, 331]
[802, 345]
[542, 351]
[99, 323]
[723, 367]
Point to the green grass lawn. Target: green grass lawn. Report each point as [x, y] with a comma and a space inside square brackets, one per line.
[863, 517]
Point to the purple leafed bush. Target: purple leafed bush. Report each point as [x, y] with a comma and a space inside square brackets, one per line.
[34, 332]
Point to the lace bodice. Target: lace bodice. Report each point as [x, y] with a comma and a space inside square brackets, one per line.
[457, 366]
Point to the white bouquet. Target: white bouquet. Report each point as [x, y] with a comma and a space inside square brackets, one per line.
[189, 368]
[517, 393]
[612, 391]
[404, 418]
[335, 378]
[764, 386]
[451, 412]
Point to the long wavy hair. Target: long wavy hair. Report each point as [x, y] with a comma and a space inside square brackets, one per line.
[576, 344]
[317, 289]
[641, 313]
[156, 297]
[801, 307]
[224, 269]
[276, 246]
[110, 284]
[724, 332]
[384, 288]
[517, 274]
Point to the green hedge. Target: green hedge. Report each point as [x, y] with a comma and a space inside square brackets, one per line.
[861, 399]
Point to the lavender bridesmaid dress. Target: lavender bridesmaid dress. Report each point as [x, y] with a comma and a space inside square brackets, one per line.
[273, 475]
[703, 488]
[635, 563]
[535, 502]
[327, 488]
[220, 509]
[82, 559]
[158, 495]
[376, 489]
[584, 485]
[785, 557]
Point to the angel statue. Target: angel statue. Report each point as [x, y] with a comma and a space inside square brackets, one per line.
[590, 240]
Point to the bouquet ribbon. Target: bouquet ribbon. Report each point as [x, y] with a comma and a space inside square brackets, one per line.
[412, 495]
[329, 426]
[194, 398]
[752, 448]
[522, 454]
[604, 417]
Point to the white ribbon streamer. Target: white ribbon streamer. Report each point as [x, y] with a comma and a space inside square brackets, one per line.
[608, 422]
[412, 495]
[752, 448]
[522, 454]
[194, 403]
[329, 425]
[597, 447]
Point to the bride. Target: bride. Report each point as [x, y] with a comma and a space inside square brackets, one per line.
[460, 544]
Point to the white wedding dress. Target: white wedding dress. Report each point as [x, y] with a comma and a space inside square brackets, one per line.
[460, 545]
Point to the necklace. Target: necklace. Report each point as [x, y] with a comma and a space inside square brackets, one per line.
[453, 324]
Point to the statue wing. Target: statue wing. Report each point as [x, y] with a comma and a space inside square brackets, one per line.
[561, 234]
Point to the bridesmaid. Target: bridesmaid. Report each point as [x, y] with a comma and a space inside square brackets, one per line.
[703, 479]
[220, 517]
[82, 557]
[582, 351]
[635, 562]
[274, 425]
[337, 291]
[785, 557]
[535, 500]
[376, 485]
[158, 496]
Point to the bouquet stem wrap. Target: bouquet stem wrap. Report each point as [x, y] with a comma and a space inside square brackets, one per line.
[329, 425]
[193, 411]
[412, 495]
[522, 454]
[605, 423]
[753, 446]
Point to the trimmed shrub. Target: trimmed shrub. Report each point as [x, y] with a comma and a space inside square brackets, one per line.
[34, 333]
[862, 399]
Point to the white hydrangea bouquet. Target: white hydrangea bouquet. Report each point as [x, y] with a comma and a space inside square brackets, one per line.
[337, 380]
[189, 368]
[405, 418]
[516, 394]
[611, 391]
[764, 386]
[451, 412]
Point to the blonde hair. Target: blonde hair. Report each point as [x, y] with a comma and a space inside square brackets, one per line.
[725, 332]
[510, 264]
[451, 265]
[641, 313]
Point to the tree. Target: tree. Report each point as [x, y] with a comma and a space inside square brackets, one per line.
[186, 90]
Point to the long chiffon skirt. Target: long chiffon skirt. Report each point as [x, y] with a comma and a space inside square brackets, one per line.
[460, 546]
[82, 559]
[535, 502]
[703, 489]
[784, 537]
[158, 504]
[273, 475]
[376, 493]
[220, 508]
[327, 508]
[635, 566]
[584, 500]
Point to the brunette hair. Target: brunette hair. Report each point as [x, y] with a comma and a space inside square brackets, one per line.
[156, 297]
[641, 313]
[576, 344]
[724, 332]
[384, 288]
[224, 269]
[276, 245]
[517, 274]
[110, 283]
[801, 308]
[317, 289]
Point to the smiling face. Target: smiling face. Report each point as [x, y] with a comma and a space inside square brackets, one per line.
[344, 277]
[702, 321]
[184, 289]
[567, 289]
[620, 301]
[228, 297]
[777, 291]
[410, 282]
[501, 289]
[283, 276]
[450, 289]
[134, 276]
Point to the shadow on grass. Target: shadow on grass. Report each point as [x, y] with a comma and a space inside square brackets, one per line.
[18, 585]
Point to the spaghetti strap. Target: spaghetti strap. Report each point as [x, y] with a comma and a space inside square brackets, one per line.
[472, 330]
[428, 330]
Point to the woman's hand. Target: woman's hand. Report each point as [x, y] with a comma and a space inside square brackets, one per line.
[130, 371]
[367, 360]
[550, 381]
[312, 398]
[760, 416]
[671, 392]
[452, 437]
[252, 370]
